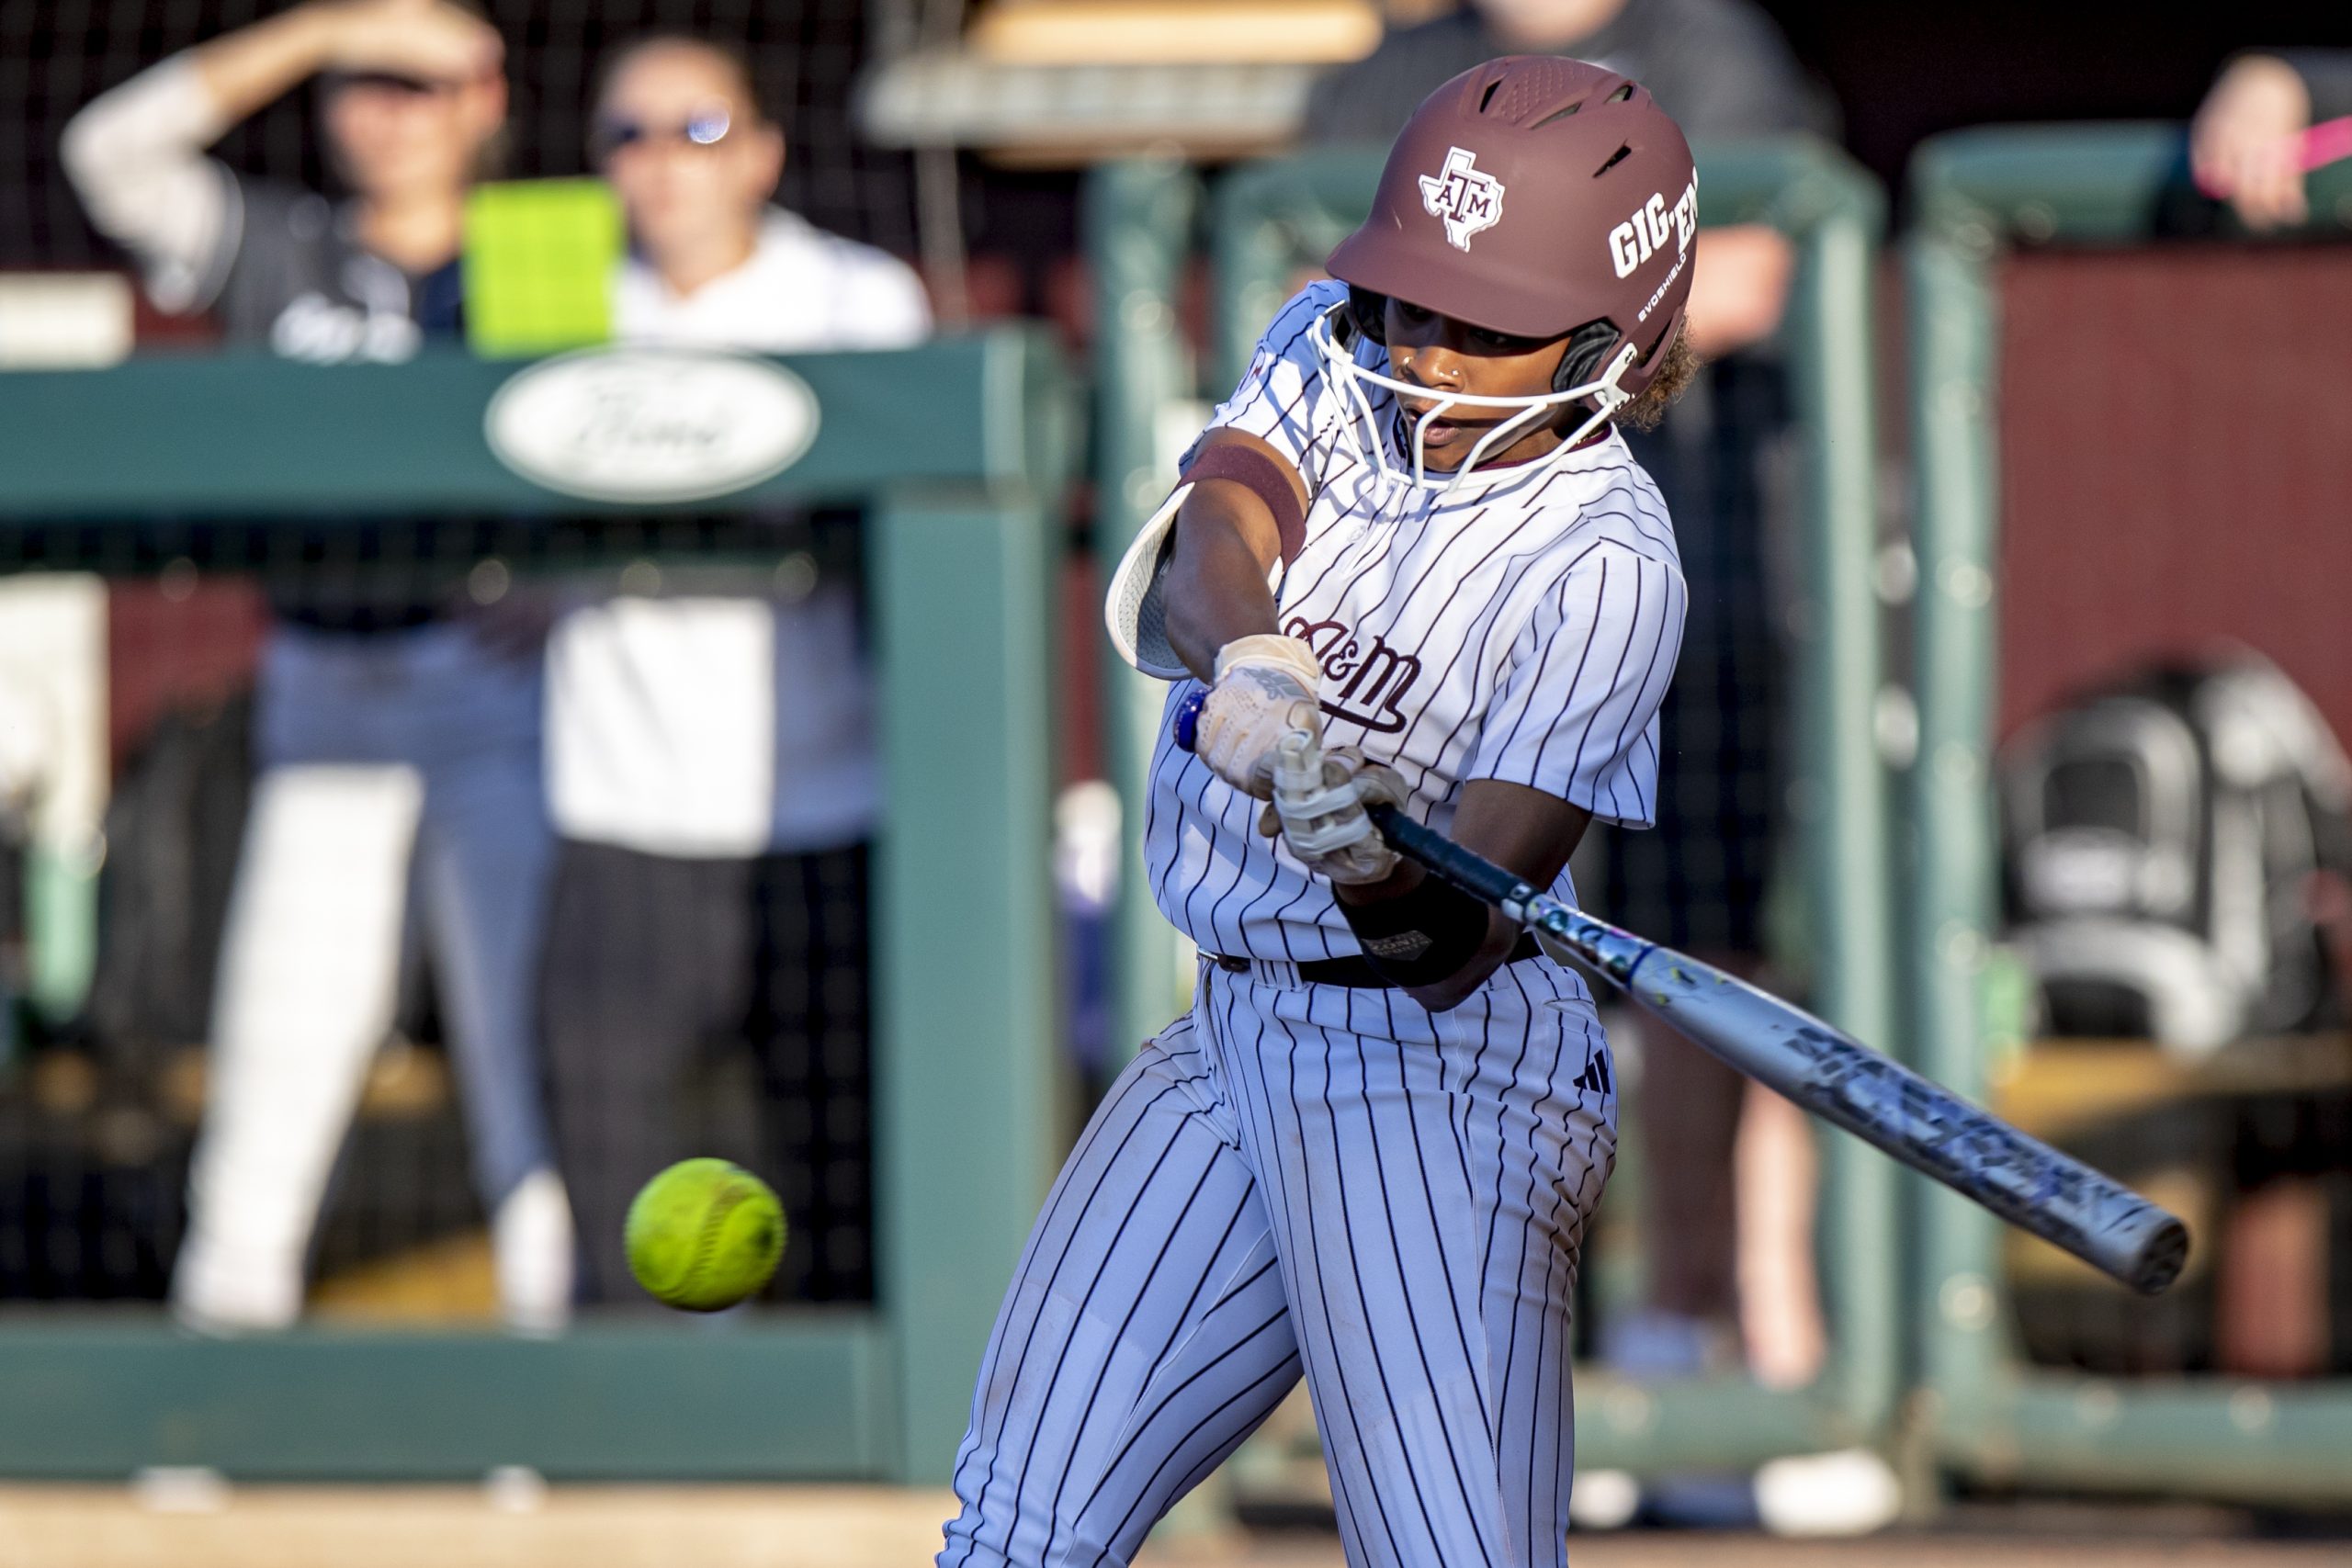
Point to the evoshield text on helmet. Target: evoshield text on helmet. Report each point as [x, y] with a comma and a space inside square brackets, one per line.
[1534, 197]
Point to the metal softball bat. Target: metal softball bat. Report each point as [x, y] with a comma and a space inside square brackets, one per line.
[1918, 1121]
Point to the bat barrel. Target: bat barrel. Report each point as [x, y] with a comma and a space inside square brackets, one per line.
[1918, 1121]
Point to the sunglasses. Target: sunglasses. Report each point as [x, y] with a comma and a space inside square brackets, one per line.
[612, 134]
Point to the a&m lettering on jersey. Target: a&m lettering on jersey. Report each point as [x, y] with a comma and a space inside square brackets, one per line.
[1372, 681]
[1469, 199]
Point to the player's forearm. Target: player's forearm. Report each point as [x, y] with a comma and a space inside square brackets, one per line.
[1524, 829]
[1459, 987]
[1226, 544]
[136, 157]
[136, 153]
[247, 70]
[1449, 994]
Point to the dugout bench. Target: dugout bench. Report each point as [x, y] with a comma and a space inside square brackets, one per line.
[959, 450]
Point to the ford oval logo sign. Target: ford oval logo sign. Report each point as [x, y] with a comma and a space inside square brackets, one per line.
[651, 425]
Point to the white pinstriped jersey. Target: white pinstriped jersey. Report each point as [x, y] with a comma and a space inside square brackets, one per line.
[1522, 628]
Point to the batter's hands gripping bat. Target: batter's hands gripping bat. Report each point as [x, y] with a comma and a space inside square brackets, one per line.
[1919, 1123]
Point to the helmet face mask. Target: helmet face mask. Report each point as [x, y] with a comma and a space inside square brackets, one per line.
[1335, 336]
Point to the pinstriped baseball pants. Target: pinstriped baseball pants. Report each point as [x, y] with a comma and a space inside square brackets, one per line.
[1307, 1178]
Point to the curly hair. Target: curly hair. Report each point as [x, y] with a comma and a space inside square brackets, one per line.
[1675, 373]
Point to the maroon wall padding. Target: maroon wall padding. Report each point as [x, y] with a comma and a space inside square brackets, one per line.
[177, 644]
[2176, 466]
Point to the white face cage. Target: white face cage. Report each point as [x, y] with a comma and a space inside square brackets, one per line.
[1345, 377]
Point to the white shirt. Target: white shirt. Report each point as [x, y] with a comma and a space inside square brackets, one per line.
[707, 727]
[801, 292]
[1523, 628]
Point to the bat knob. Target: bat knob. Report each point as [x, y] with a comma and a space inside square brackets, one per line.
[2160, 1258]
[1188, 718]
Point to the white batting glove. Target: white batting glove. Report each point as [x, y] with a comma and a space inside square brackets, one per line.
[1318, 809]
[1264, 690]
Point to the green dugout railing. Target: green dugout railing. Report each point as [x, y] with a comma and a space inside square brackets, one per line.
[1140, 218]
[1266, 222]
[959, 451]
[1973, 193]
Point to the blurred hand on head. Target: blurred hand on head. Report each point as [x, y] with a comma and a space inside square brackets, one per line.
[413, 94]
[429, 40]
[692, 159]
[1543, 26]
[2243, 144]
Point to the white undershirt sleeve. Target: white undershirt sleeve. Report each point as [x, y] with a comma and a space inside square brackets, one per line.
[136, 156]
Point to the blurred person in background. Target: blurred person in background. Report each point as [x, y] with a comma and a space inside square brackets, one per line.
[2245, 144]
[392, 742]
[711, 763]
[1730, 1167]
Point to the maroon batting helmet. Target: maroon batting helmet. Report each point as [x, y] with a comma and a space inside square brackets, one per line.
[1535, 195]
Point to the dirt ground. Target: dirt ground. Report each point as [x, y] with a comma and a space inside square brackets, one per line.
[188, 1522]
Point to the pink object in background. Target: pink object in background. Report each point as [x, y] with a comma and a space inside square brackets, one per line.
[2325, 142]
[2317, 147]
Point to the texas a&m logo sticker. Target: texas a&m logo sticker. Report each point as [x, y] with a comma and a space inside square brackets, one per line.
[1469, 199]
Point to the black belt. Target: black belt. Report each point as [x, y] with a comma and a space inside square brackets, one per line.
[1356, 969]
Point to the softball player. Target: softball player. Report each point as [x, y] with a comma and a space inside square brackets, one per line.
[1369, 1154]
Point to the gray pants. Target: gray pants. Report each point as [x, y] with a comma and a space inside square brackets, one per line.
[381, 757]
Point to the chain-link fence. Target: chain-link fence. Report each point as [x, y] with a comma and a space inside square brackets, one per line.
[309, 990]
[805, 57]
[132, 653]
[106, 1096]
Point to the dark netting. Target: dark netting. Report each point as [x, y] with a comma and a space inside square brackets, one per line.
[703, 1011]
[1700, 880]
[57, 54]
[100, 1109]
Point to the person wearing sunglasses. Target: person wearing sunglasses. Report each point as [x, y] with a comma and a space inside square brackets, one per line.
[396, 748]
[711, 762]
